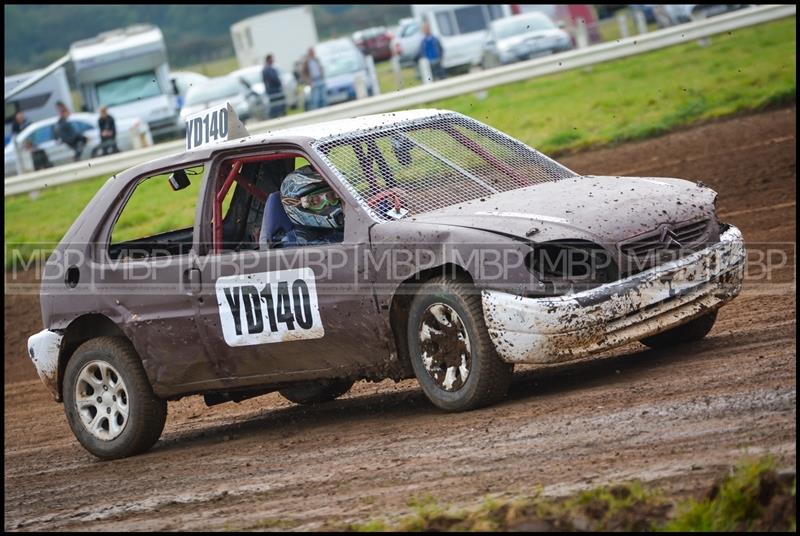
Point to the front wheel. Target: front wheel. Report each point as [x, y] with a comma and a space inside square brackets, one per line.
[108, 400]
[453, 357]
[693, 330]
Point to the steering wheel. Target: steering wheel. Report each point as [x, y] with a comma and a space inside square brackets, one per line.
[387, 200]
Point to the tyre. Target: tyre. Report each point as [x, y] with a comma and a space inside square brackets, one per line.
[108, 399]
[489, 61]
[693, 330]
[451, 353]
[316, 392]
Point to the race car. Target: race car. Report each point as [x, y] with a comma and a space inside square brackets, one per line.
[417, 244]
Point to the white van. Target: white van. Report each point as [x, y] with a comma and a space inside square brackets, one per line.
[39, 100]
[127, 70]
[462, 29]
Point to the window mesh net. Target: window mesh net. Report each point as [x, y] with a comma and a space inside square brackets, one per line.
[433, 162]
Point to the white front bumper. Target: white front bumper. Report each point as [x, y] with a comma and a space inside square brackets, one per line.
[552, 330]
[43, 349]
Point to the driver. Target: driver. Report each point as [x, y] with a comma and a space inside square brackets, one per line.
[313, 207]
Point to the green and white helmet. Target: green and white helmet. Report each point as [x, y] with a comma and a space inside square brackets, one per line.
[309, 201]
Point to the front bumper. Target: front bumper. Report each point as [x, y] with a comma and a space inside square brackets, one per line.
[553, 330]
[44, 349]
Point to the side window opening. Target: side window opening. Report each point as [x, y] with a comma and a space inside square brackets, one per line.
[250, 221]
[156, 220]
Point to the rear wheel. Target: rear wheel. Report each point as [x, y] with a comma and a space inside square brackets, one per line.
[693, 330]
[316, 392]
[108, 400]
[453, 358]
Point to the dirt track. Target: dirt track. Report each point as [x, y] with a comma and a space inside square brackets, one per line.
[675, 417]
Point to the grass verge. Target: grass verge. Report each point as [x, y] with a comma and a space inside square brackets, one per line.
[615, 102]
[753, 496]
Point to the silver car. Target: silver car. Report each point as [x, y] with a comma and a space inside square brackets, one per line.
[522, 37]
[252, 75]
[406, 41]
[246, 101]
[132, 133]
[344, 67]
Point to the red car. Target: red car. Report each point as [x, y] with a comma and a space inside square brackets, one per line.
[375, 42]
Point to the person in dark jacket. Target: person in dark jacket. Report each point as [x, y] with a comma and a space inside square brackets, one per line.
[274, 88]
[65, 131]
[108, 134]
[19, 124]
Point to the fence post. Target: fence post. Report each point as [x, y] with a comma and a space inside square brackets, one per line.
[398, 75]
[583, 34]
[17, 154]
[360, 86]
[425, 72]
[622, 20]
[641, 21]
[701, 15]
[373, 75]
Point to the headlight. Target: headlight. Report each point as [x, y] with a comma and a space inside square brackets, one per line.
[572, 262]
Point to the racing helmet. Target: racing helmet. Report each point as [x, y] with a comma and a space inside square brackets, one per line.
[309, 201]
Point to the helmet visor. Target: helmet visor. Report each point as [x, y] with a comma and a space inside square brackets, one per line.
[318, 201]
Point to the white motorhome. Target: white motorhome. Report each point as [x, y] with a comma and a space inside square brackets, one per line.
[285, 33]
[462, 29]
[127, 70]
[38, 101]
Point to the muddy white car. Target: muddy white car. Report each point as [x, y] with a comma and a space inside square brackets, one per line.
[463, 252]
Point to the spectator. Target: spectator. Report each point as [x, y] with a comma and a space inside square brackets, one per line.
[431, 48]
[108, 134]
[178, 96]
[65, 131]
[274, 88]
[314, 76]
[19, 124]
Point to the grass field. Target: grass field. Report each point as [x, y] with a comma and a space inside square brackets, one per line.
[738, 504]
[623, 100]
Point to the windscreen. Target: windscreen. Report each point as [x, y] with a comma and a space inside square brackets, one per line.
[215, 89]
[128, 88]
[434, 162]
[523, 24]
[340, 59]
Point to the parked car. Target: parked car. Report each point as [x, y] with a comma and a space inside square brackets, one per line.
[455, 251]
[406, 41]
[131, 133]
[252, 75]
[461, 30]
[343, 64]
[184, 81]
[247, 103]
[671, 14]
[375, 42]
[646, 10]
[521, 37]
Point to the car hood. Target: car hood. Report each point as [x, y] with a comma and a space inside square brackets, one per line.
[205, 105]
[600, 209]
[515, 40]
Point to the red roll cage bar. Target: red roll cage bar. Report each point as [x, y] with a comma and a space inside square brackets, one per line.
[233, 175]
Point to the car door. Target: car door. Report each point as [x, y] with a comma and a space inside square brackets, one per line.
[276, 315]
[142, 280]
[44, 138]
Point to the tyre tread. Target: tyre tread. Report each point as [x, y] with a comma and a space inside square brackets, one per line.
[152, 409]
